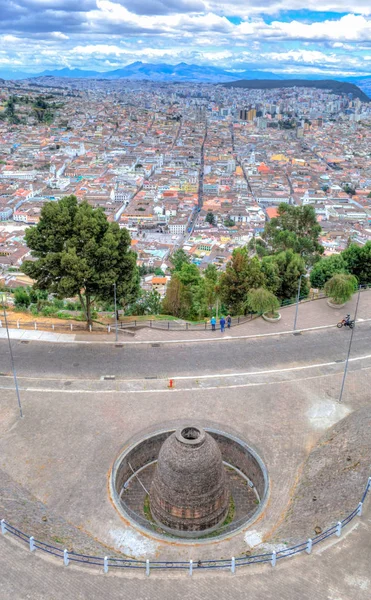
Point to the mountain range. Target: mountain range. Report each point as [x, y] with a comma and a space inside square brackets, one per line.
[178, 73]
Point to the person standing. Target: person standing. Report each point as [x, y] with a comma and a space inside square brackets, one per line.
[213, 323]
[229, 321]
[222, 324]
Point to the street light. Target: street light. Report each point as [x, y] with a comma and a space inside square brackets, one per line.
[116, 325]
[297, 302]
[12, 359]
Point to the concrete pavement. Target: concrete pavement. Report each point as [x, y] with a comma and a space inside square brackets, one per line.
[339, 570]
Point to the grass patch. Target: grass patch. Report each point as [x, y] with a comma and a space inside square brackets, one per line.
[147, 509]
[57, 540]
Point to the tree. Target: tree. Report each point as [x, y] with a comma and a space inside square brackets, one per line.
[79, 253]
[295, 228]
[229, 222]
[340, 288]
[172, 303]
[349, 189]
[240, 275]
[325, 268]
[210, 218]
[358, 261]
[258, 246]
[149, 303]
[211, 280]
[289, 268]
[262, 301]
[179, 258]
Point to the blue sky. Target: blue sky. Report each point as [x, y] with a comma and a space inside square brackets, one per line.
[274, 35]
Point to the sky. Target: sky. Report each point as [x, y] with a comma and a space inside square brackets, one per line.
[291, 36]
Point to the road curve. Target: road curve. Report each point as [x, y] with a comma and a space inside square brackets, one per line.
[210, 358]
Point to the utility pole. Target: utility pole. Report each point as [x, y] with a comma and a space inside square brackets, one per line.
[349, 349]
[116, 325]
[12, 360]
[297, 302]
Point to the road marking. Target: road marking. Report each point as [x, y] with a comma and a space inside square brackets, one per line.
[172, 390]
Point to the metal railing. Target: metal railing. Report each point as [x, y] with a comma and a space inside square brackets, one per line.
[173, 325]
[106, 562]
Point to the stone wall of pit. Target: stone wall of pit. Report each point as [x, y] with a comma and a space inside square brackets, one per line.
[234, 451]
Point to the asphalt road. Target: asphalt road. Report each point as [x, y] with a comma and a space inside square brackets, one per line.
[86, 361]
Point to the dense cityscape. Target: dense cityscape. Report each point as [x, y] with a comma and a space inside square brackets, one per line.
[191, 166]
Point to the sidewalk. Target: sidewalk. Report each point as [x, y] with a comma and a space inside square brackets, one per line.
[310, 315]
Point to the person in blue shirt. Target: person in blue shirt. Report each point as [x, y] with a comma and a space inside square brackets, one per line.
[222, 324]
[213, 323]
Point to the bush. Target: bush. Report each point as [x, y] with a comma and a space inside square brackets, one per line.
[262, 301]
[340, 288]
[58, 303]
[21, 298]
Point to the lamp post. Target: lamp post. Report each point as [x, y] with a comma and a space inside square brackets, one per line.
[116, 325]
[297, 302]
[349, 349]
[12, 360]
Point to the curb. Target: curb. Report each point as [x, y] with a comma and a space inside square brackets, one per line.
[182, 341]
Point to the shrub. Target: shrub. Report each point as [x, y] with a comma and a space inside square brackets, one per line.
[262, 301]
[340, 288]
[21, 298]
[58, 303]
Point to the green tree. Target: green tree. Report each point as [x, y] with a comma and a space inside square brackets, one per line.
[241, 274]
[295, 228]
[262, 301]
[340, 288]
[79, 253]
[211, 281]
[210, 218]
[172, 303]
[229, 222]
[159, 272]
[358, 261]
[178, 258]
[349, 189]
[325, 268]
[289, 268]
[21, 298]
[258, 246]
[148, 303]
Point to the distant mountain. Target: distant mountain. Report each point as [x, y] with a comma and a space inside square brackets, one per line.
[151, 72]
[72, 73]
[338, 87]
[181, 72]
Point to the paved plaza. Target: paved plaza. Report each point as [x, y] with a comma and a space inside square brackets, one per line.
[279, 393]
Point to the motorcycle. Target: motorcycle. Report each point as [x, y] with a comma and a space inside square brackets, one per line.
[346, 323]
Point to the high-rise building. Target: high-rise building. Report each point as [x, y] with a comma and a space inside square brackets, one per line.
[251, 114]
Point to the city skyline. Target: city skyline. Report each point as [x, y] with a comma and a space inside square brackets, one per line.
[104, 35]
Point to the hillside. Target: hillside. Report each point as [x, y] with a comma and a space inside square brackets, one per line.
[337, 87]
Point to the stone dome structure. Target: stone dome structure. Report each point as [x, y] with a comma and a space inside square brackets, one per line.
[189, 491]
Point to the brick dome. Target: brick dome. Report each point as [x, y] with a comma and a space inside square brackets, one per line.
[189, 491]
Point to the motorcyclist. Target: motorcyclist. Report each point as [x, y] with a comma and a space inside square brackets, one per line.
[347, 320]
